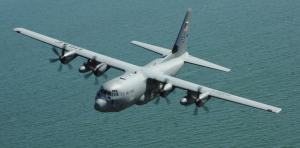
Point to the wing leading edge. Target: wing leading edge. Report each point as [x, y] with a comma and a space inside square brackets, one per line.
[214, 93]
[121, 65]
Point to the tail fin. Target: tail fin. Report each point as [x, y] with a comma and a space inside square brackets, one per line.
[182, 38]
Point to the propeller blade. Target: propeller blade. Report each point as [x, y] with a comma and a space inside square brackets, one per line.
[196, 111]
[60, 68]
[90, 67]
[70, 66]
[63, 49]
[168, 100]
[96, 81]
[206, 109]
[88, 75]
[157, 101]
[105, 76]
[55, 51]
[53, 60]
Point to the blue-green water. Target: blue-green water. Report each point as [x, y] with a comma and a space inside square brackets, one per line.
[258, 40]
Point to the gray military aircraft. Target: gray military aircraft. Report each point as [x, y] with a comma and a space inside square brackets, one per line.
[140, 85]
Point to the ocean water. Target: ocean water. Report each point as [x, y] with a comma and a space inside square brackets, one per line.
[257, 40]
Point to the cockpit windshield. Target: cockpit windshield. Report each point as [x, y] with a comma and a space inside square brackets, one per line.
[113, 93]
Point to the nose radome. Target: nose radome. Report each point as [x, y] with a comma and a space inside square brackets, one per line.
[100, 105]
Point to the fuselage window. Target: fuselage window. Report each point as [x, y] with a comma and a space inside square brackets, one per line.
[115, 93]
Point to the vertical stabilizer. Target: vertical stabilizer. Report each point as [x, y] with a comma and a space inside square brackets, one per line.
[182, 38]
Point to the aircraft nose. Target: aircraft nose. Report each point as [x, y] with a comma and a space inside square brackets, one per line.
[100, 105]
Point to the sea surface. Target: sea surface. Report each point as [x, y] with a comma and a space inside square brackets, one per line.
[258, 40]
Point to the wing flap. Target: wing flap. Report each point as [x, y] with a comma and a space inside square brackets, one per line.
[200, 62]
[159, 50]
[214, 93]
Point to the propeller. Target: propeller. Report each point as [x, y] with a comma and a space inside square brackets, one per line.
[158, 99]
[198, 102]
[206, 109]
[94, 70]
[61, 57]
[195, 111]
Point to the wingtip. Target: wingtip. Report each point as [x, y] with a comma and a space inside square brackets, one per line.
[278, 111]
[17, 30]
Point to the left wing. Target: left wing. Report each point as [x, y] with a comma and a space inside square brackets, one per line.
[214, 93]
[121, 65]
[159, 50]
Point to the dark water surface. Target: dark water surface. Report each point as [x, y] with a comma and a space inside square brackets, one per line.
[258, 40]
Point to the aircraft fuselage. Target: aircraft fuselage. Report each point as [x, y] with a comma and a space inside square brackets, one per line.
[133, 87]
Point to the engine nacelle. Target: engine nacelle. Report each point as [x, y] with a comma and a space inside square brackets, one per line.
[202, 99]
[84, 68]
[102, 68]
[187, 100]
[168, 87]
[68, 57]
[166, 90]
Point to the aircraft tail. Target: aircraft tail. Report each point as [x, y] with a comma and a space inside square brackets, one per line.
[182, 38]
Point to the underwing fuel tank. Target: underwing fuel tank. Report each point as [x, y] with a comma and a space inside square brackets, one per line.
[186, 100]
[84, 69]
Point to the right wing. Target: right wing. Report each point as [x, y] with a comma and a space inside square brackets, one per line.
[121, 65]
[159, 50]
[214, 93]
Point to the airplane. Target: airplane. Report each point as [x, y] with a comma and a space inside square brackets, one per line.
[142, 84]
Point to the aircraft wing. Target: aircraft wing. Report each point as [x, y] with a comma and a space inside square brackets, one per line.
[200, 62]
[121, 65]
[214, 93]
[159, 50]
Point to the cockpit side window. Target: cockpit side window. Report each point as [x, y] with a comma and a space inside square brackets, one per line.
[104, 92]
[115, 93]
[109, 93]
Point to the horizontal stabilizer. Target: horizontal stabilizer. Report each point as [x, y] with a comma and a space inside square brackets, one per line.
[200, 62]
[153, 48]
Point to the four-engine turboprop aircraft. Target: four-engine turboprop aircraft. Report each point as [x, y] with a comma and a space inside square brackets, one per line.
[140, 85]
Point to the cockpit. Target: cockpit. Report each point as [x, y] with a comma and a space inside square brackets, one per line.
[112, 93]
[105, 101]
